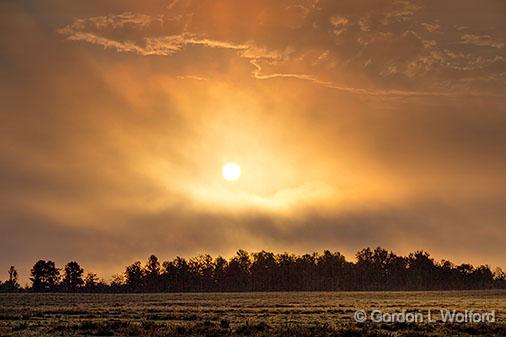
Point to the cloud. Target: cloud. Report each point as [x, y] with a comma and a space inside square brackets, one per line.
[115, 21]
[390, 133]
[431, 27]
[482, 41]
[425, 54]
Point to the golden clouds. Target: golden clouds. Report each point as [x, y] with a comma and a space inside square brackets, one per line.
[385, 50]
[355, 123]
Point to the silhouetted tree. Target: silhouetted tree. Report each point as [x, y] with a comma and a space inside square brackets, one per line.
[202, 269]
[178, 274]
[118, 283]
[90, 281]
[499, 278]
[134, 276]
[332, 270]
[364, 270]
[306, 271]
[396, 275]
[238, 277]
[376, 269]
[482, 278]
[73, 276]
[152, 275]
[220, 273]
[44, 276]
[464, 272]
[447, 276]
[286, 272]
[422, 270]
[11, 285]
[263, 270]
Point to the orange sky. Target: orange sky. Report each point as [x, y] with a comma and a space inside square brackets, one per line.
[355, 124]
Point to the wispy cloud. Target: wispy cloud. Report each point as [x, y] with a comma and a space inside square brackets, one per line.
[89, 30]
[483, 41]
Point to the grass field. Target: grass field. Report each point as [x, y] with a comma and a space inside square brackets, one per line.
[241, 314]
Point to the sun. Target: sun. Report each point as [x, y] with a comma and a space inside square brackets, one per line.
[231, 171]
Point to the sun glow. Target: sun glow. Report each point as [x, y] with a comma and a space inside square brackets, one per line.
[231, 171]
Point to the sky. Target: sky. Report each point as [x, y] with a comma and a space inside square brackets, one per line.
[355, 123]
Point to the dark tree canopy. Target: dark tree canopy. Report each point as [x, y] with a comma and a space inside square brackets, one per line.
[11, 285]
[73, 276]
[45, 276]
[373, 270]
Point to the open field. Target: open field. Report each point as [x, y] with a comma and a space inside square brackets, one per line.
[241, 314]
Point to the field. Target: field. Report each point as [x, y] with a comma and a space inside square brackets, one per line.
[242, 314]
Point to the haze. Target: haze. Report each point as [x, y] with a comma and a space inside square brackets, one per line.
[354, 123]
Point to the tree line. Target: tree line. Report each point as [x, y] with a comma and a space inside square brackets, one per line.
[373, 270]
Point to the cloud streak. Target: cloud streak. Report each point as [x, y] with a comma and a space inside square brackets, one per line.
[428, 56]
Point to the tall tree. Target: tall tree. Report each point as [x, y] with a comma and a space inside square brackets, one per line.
[134, 276]
[238, 272]
[331, 270]
[178, 274]
[263, 271]
[220, 266]
[44, 276]
[73, 276]
[152, 274]
[285, 272]
[11, 285]
[202, 269]
[422, 270]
